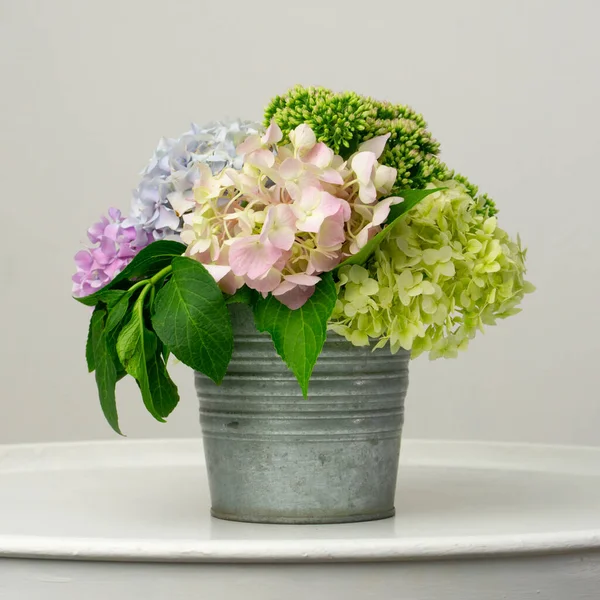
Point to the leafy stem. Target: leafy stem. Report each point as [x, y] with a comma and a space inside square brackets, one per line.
[151, 281]
[161, 275]
[139, 305]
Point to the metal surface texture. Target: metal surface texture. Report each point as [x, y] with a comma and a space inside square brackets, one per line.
[274, 456]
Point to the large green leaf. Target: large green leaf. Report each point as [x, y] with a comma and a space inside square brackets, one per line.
[106, 371]
[298, 335]
[165, 396]
[89, 348]
[397, 212]
[136, 345]
[192, 320]
[118, 310]
[147, 262]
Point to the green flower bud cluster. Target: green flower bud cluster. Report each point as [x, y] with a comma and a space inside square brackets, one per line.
[341, 121]
[443, 273]
[344, 120]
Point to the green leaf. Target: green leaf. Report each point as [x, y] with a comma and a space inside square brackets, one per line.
[192, 320]
[118, 310]
[89, 349]
[397, 212]
[411, 199]
[111, 343]
[149, 261]
[298, 334]
[111, 297]
[106, 372]
[243, 296]
[165, 396]
[135, 346]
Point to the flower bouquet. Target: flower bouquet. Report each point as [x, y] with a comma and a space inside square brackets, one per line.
[333, 225]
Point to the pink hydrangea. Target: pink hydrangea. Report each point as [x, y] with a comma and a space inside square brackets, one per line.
[292, 212]
[114, 248]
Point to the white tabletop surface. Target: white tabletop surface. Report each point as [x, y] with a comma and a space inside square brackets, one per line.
[148, 501]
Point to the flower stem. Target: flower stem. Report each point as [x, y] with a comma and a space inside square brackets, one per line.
[160, 275]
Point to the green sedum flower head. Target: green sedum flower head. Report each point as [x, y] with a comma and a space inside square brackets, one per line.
[442, 274]
[344, 120]
[341, 120]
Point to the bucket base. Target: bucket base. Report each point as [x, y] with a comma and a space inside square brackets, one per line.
[282, 520]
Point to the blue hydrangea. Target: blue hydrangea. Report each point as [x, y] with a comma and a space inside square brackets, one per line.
[172, 171]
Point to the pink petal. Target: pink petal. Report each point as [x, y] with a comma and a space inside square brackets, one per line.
[346, 210]
[385, 177]
[284, 152]
[283, 238]
[361, 239]
[381, 211]
[218, 271]
[331, 176]
[250, 144]
[362, 164]
[268, 224]
[310, 198]
[126, 251]
[294, 191]
[375, 145]
[331, 232]
[367, 193]
[249, 256]
[283, 259]
[205, 175]
[114, 214]
[96, 231]
[285, 215]
[296, 297]
[261, 158]
[302, 279]
[284, 287]
[127, 234]
[273, 134]
[312, 223]
[265, 284]
[303, 138]
[107, 248]
[279, 226]
[330, 204]
[112, 231]
[180, 203]
[313, 207]
[321, 262]
[115, 267]
[320, 155]
[231, 283]
[200, 246]
[290, 168]
[83, 260]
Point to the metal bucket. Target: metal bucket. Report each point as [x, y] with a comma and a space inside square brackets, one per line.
[276, 457]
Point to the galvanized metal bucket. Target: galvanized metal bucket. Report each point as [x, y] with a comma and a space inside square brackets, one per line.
[276, 457]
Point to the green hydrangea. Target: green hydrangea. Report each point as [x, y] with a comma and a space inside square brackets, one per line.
[344, 120]
[443, 273]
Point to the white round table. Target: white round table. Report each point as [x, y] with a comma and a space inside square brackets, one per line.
[130, 519]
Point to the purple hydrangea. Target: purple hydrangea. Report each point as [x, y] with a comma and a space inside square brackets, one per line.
[168, 178]
[115, 245]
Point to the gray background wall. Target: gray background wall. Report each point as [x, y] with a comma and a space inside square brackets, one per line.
[511, 89]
